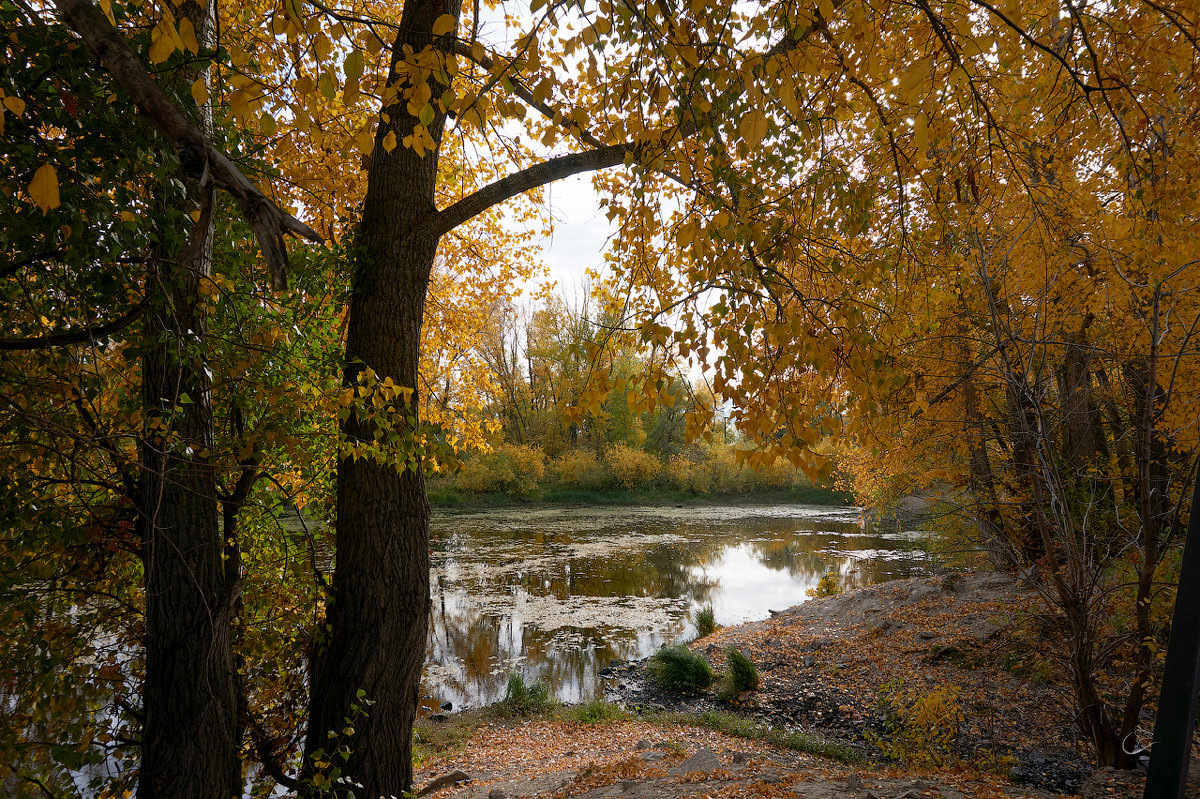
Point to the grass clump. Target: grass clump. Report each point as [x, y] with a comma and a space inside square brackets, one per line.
[597, 712]
[679, 670]
[744, 727]
[743, 676]
[706, 621]
[521, 699]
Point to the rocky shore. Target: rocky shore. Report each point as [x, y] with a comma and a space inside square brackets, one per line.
[827, 667]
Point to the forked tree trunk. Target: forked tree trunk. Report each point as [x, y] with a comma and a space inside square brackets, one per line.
[189, 740]
[367, 673]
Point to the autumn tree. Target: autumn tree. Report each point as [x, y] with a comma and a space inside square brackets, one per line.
[779, 200]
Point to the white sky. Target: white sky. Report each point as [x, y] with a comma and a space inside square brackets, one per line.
[581, 231]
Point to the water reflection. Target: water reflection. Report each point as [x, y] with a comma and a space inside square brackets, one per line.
[558, 593]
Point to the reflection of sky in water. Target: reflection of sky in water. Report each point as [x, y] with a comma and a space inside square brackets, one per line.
[558, 593]
[745, 584]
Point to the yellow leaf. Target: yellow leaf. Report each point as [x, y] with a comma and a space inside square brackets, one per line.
[106, 7]
[43, 189]
[15, 104]
[187, 35]
[389, 141]
[200, 92]
[353, 65]
[753, 127]
[826, 7]
[444, 24]
[162, 46]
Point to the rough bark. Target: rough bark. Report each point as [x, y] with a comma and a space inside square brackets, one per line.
[189, 700]
[367, 674]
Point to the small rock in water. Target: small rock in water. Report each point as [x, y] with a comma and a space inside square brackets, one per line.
[447, 706]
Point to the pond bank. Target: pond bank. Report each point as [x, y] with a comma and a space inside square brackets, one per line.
[824, 666]
[448, 499]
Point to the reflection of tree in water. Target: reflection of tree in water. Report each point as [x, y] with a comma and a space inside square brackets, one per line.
[494, 589]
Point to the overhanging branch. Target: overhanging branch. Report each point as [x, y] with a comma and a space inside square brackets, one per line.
[508, 187]
[76, 336]
[267, 219]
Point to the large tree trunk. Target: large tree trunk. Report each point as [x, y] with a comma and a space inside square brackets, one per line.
[366, 676]
[188, 698]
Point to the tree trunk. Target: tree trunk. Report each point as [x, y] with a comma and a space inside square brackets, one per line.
[367, 674]
[188, 698]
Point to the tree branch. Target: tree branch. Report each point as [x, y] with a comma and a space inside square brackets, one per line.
[76, 336]
[506, 188]
[267, 219]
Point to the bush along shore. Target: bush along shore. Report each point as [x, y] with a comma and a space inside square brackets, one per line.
[621, 474]
[939, 684]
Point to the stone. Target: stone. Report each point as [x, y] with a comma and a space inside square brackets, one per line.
[809, 661]
[883, 625]
[854, 782]
[453, 778]
[628, 785]
[497, 793]
[642, 744]
[926, 635]
[438, 717]
[447, 706]
[702, 760]
[740, 757]
[951, 581]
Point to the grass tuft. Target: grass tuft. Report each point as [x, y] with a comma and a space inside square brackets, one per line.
[526, 700]
[706, 622]
[743, 676]
[679, 670]
[744, 727]
[597, 712]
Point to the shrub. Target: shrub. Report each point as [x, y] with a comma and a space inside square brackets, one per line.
[526, 700]
[688, 474]
[922, 726]
[743, 676]
[631, 467]
[828, 585]
[580, 469]
[529, 463]
[706, 621]
[679, 670]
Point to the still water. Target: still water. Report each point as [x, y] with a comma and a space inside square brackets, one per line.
[558, 593]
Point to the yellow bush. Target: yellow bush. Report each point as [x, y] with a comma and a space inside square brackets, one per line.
[511, 467]
[923, 726]
[632, 467]
[686, 475]
[580, 469]
[527, 463]
[484, 473]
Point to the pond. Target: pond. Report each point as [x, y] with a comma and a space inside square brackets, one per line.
[558, 593]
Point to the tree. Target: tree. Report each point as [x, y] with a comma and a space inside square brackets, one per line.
[782, 196]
